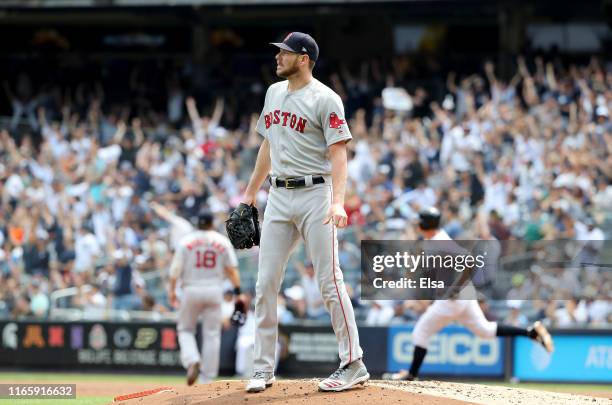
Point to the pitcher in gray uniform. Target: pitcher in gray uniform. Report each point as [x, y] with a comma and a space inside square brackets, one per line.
[304, 154]
[203, 258]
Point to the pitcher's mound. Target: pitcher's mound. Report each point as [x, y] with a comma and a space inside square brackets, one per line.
[285, 392]
[294, 392]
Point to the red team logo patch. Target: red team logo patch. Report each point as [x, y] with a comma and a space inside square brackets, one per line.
[335, 121]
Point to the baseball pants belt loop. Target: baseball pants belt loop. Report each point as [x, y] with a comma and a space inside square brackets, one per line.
[308, 181]
[273, 181]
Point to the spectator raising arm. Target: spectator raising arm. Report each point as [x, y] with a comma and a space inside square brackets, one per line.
[215, 120]
[120, 133]
[192, 110]
[551, 79]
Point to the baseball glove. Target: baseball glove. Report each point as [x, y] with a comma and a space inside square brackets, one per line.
[239, 316]
[243, 227]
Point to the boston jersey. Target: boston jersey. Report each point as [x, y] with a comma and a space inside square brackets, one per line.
[201, 257]
[300, 126]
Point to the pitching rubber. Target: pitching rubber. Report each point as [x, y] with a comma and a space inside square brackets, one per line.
[142, 394]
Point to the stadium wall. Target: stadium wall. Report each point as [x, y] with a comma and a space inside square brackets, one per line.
[581, 355]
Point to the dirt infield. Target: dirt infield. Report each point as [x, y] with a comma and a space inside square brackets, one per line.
[601, 394]
[294, 392]
[491, 395]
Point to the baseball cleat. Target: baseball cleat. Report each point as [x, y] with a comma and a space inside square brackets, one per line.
[346, 377]
[193, 372]
[402, 375]
[543, 337]
[260, 381]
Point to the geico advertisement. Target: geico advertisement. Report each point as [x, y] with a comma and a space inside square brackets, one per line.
[452, 351]
[585, 358]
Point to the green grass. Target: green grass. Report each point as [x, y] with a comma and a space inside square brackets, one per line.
[86, 377]
[75, 378]
[77, 401]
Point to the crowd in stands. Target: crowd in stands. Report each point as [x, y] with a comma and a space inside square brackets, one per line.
[94, 193]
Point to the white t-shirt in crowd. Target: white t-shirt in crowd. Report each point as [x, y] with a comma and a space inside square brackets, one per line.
[86, 249]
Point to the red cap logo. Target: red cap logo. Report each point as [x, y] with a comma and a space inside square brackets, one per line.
[335, 121]
[287, 37]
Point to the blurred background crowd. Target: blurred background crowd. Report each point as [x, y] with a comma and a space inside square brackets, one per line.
[101, 173]
[95, 192]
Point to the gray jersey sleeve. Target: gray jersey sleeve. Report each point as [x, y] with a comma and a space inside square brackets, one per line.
[335, 128]
[261, 122]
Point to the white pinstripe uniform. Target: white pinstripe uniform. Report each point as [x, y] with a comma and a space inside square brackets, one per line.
[442, 312]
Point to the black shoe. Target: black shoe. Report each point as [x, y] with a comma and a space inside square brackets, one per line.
[192, 373]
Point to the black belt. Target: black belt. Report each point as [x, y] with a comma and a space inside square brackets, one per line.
[296, 182]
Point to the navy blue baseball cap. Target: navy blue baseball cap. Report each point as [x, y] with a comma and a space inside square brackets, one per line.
[299, 42]
[205, 217]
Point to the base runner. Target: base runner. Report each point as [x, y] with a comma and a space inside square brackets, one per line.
[466, 312]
